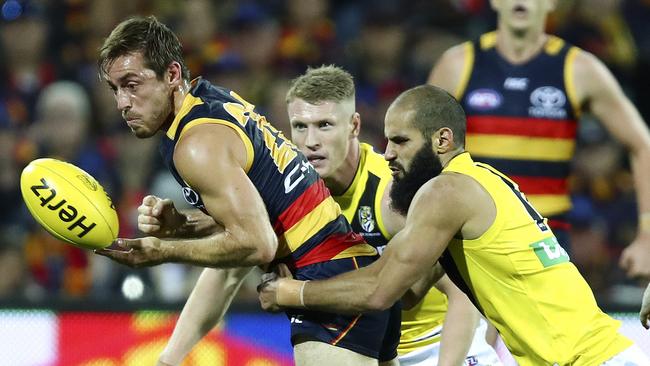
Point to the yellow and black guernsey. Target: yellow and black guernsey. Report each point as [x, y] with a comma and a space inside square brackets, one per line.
[521, 118]
[308, 222]
[522, 280]
[361, 204]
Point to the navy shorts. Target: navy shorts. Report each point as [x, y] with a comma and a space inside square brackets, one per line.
[373, 334]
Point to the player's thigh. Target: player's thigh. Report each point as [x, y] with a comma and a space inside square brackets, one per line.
[312, 353]
[393, 362]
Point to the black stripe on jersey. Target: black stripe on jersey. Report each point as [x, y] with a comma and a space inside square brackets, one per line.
[368, 199]
[539, 220]
[451, 269]
[527, 168]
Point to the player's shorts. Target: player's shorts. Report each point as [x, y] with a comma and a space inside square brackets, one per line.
[365, 334]
[631, 356]
[480, 352]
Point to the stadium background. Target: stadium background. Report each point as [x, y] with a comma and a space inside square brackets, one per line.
[64, 306]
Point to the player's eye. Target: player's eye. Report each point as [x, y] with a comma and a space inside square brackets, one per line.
[324, 124]
[299, 126]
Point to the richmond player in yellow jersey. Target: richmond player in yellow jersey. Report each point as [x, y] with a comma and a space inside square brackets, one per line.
[490, 240]
[325, 126]
[260, 197]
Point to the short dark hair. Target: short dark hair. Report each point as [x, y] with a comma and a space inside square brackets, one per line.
[323, 84]
[434, 109]
[157, 43]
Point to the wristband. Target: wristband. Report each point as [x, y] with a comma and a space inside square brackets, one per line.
[290, 293]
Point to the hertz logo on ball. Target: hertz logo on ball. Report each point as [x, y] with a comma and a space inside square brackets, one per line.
[69, 203]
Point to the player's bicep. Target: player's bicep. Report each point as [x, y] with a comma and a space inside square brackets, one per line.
[605, 99]
[211, 160]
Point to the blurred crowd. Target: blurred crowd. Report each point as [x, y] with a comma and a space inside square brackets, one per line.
[52, 104]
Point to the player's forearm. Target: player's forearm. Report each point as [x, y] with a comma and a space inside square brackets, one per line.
[225, 249]
[640, 161]
[349, 293]
[458, 331]
[205, 307]
[196, 224]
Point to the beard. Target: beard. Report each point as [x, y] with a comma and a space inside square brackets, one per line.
[425, 166]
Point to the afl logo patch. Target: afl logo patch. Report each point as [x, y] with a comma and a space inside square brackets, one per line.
[365, 218]
[190, 196]
[484, 99]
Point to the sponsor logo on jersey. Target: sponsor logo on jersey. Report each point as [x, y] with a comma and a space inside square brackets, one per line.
[547, 102]
[484, 99]
[515, 83]
[190, 196]
[365, 218]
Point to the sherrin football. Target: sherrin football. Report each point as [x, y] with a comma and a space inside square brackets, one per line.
[69, 203]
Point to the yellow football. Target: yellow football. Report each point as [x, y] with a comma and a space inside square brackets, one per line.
[69, 203]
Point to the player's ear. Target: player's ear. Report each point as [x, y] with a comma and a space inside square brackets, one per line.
[175, 73]
[356, 125]
[443, 140]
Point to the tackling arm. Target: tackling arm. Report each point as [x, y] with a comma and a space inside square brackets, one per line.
[376, 287]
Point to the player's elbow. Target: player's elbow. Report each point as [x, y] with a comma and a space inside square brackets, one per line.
[264, 251]
[378, 302]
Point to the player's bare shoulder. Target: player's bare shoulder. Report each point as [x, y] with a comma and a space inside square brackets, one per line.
[208, 145]
[447, 73]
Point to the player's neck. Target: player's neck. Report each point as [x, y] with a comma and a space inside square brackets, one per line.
[518, 48]
[178, 97]
[341, 180]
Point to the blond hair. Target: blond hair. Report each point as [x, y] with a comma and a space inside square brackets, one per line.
[326, 83]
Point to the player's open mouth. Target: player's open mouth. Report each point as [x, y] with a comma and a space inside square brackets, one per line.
[520, 10]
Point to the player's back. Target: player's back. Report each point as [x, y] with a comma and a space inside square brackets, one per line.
[523, 282]
[308, 222]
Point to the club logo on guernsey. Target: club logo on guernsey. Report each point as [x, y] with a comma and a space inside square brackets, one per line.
[547, 102]
[484, 99]
[190, 196]
[365, 218]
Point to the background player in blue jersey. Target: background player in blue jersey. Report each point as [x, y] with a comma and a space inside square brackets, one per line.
[260, 197]
[523, 90]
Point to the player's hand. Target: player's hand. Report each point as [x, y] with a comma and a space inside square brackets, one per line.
[159, 217]
[141, 252]
[635, 259]
[268, 288]
[644, 314]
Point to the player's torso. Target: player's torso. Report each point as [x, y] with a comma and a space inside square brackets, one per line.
[521, 118]
[523, 282]
[361, 205]
[307, 220]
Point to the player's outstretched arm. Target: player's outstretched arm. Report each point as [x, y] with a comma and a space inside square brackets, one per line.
[376, 287]
[211, 158]
[459, 327]
[597, 89]
[205, 307]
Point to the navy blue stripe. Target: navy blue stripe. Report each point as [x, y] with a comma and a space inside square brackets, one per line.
[527, 168]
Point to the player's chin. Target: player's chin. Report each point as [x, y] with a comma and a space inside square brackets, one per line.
[142, 132]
